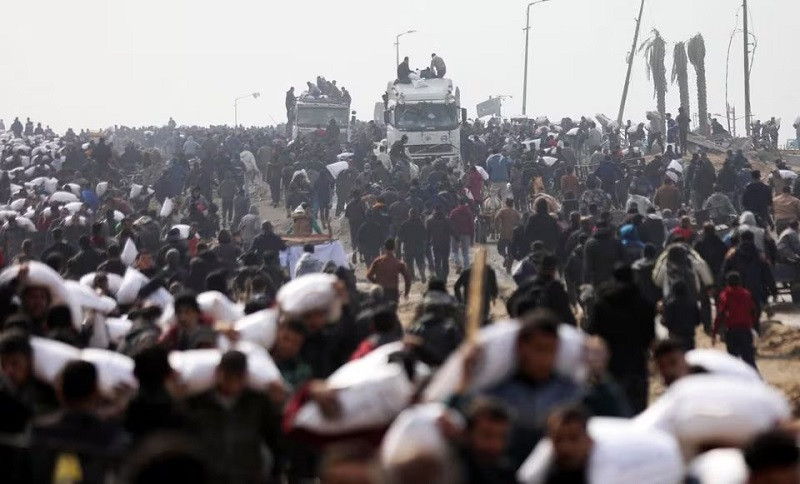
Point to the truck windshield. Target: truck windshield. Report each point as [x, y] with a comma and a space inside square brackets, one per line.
[426, 117]
[321, 116]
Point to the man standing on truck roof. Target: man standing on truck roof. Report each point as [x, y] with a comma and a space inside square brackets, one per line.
[438, 68]
[290, 103]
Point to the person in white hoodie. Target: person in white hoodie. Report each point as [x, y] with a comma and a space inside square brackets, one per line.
[307, 263]
[250, 226]
[191, 147]
[747, 222]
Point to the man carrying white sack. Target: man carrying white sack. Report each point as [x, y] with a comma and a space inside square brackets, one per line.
[533, 391]
[22, 395]
[236, 423]
[315, 301]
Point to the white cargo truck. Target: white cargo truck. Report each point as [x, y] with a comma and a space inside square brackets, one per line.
[429, 112]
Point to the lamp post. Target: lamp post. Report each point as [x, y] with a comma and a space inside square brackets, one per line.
[236, 107]
[397, 45]
[527, 36]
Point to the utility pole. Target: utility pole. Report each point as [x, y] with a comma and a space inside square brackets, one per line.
[527, 36]
[630, 66]
[746, 37]
[397, 45]
[525, 77]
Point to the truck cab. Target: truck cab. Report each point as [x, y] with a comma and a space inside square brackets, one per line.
[313, 113]
[428, 112]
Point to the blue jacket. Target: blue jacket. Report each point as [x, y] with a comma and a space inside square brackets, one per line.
[531, 403]
[498, 168]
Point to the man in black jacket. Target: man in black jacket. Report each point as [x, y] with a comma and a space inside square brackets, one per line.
[643, 275]
[542, 226]
[652, 230]
[712, 249]
[86, 260]
[757, 198]
[411, 238]
[602, 252]
[490, 291]
[58, 246]
[153, 409]
[403, 70]
[543, 291]
[232, 424]
[371, 236]
[626, 321]
[78, 430]
[439, 231]
[356, 215]
[267, 240]
[113, 264]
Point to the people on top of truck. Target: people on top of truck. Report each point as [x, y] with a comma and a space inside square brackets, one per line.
[333, 91]
[313, 91]
[403, 71]
[438, 67]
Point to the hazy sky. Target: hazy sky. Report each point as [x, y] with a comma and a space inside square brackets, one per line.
[94, 63]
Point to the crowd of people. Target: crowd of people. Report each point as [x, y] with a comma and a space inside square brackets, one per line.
[150, 330]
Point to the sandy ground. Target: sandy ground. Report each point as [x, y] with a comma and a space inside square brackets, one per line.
[778, 348]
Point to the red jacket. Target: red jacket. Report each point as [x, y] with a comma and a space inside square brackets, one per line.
[735, 309]
[475, 185]
[685, 233]
[461, 219]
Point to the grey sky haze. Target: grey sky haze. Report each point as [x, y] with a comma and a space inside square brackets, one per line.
[94, 63]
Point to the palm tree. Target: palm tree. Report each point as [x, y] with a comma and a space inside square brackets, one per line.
[697, 56]
[655, 51]
[680, 72]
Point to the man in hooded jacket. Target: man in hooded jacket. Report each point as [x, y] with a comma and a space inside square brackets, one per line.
[626, 321]
[602, 252]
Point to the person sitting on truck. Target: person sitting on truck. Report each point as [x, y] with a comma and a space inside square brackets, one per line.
[438, 66]
[346, 96]
[334, 92]
[313, 91]
[403, 71]
[320, 83]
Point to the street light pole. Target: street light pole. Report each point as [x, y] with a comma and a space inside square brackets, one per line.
[236, 107]
[397, 45]
[630, 66]
[745, 36]
[527, 36]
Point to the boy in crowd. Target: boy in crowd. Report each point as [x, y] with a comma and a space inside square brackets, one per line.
[736, 310]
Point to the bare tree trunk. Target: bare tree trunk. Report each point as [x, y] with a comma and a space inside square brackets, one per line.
[661, 96]
[680, 73]
[702, 99]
